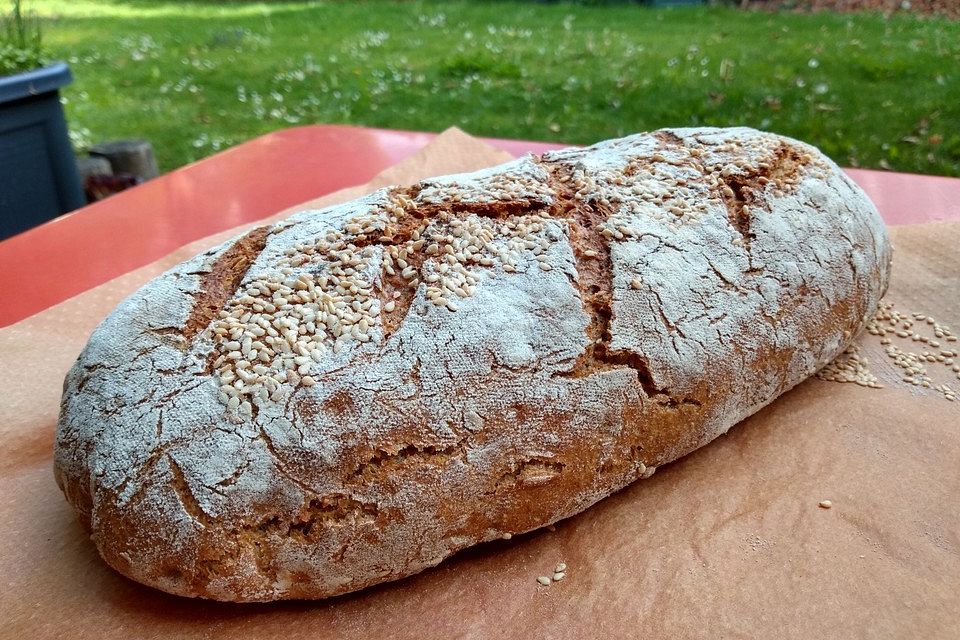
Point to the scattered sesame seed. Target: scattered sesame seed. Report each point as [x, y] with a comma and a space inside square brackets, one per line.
[544, 580]
[825, 504]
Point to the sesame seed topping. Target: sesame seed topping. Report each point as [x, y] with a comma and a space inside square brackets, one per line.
[330, 293]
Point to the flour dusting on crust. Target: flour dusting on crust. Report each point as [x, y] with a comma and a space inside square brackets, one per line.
[354, 394]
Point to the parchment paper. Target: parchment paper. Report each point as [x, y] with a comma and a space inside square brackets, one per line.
[728, 542]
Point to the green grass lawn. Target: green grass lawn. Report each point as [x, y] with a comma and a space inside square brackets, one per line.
[195, 78]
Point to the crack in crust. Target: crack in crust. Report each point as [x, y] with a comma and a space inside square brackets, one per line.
[384, 461]
[185, 495]
[737, 194]
[223, 279]
[741, 187]
[591, 251]
[531, 472]
[396, 293]
[412, 222]
[337, 509]
[741, 192]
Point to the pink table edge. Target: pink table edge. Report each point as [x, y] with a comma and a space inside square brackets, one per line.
[251, 181]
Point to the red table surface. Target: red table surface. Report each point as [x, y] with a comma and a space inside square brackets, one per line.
[80, 250]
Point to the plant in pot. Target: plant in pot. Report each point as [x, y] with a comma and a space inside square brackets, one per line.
[38, 173]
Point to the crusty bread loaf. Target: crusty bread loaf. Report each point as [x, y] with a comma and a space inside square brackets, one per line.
[354, 394]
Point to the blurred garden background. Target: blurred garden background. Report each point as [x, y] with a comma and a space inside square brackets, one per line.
[194, 78]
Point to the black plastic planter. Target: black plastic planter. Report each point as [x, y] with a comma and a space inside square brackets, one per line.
[38, 173]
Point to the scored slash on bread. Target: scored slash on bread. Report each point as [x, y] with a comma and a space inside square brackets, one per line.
[353, 394]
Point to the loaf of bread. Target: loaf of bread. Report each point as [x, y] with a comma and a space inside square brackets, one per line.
[354, 394]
